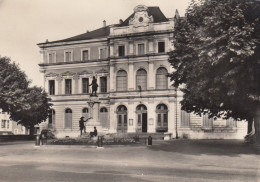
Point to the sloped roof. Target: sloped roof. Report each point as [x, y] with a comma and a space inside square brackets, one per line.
[157, 14]
[98, 33]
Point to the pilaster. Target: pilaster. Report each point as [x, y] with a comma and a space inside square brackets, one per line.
[151, 76]
[112, 77]
[131, 76]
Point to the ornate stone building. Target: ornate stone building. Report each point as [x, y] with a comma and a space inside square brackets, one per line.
[130, 62]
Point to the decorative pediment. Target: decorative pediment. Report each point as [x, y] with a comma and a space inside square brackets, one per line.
[68, 73]
[55, 75]
[85, 72]
[141, 17]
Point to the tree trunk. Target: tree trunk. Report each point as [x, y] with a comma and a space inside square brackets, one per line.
[31, 130]
[257, 125]
[249, 126]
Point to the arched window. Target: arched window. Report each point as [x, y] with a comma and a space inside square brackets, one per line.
[103, 117]
[162, 118]
[85, 113]
[121, 118]
[141, 111]
[68, 119]
[141, 79]
[121, 80]
[52, 117]
[103, 109]
[161, 78]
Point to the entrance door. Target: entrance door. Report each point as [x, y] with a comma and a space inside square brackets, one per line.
[144, 122]
[122, 119]
[141, 112]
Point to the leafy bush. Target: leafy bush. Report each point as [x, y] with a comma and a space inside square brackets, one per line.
[47, 133]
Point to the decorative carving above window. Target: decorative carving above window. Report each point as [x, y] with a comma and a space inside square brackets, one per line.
[53, 75]
[85, 72]
[102, 71]
[68, 73]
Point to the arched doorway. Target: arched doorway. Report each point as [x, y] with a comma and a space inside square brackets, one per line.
[162, 118]
[121, 119]
[141, 112]
[68, 119]
[103, 117]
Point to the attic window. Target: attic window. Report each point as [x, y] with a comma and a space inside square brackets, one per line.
[161, 47]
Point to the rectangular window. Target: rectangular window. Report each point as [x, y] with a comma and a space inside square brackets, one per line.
[7, 124]
[3, 123]
[103, 53]
[103, 84]
[121, 50]
[68, 86]
[51, 58]
[68, 56]
[161, 47]
[85, 85]
[140, 49]
[85, 55]
[52, 87]
[185, 119]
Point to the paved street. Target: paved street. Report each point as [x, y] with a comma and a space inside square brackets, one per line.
[182, 160]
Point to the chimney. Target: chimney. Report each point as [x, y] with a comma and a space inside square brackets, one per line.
[47, 40]
[120, 21]
[104, 23]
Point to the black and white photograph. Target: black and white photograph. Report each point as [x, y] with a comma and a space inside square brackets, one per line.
[129, 90]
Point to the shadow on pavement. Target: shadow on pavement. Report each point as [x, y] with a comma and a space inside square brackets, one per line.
[16, 142]
[209, 147]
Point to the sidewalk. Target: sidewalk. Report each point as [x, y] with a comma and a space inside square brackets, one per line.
[204, 153]
[181, 160]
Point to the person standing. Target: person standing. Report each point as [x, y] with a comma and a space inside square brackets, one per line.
[82, 124]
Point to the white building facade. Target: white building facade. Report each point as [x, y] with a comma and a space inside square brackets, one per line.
[9, 127]
[130, 62]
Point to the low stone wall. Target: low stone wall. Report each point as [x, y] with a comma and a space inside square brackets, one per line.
[214, 134]
[4, 138]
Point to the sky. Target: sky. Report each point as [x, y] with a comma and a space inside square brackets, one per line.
[25, 23]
